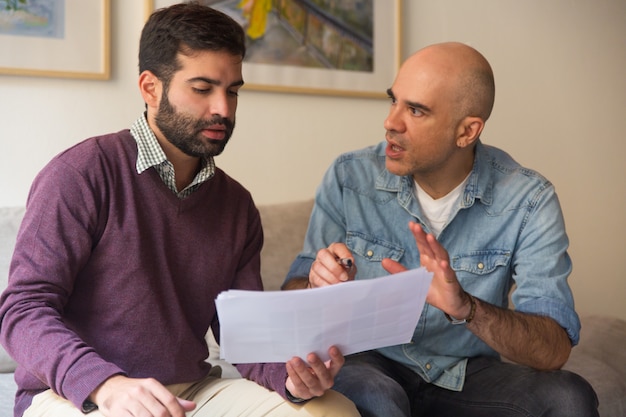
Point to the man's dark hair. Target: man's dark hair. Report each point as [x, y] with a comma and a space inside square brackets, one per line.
[186, 28]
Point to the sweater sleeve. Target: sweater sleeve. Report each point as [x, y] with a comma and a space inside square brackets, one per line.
[270, 375]
[54, 241]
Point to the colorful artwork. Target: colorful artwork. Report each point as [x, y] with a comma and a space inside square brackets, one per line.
[334, 47]
[37, 18]
[328, 34]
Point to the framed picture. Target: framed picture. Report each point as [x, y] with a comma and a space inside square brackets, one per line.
[345, 48]
[55, 38]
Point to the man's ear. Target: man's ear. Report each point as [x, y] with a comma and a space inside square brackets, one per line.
[469, 131]
[151, 88]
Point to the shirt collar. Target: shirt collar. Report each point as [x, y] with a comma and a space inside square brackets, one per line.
[150, 153]
[479, 184]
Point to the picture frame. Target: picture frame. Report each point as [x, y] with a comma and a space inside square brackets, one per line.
[69, 39]
[286, 78]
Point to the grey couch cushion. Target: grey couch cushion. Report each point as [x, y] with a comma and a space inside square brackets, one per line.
[8, 387]
[10, 219]
[600, 358]
[284, 227]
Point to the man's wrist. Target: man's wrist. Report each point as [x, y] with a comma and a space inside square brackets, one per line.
[469, 317]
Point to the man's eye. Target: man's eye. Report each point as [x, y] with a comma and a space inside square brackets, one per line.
[234, 93]
[416, 111]
[201, 90]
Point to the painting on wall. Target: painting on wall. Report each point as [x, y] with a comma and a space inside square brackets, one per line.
[331, 47]
[55, 38]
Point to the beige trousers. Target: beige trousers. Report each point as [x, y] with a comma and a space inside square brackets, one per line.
[217, 397]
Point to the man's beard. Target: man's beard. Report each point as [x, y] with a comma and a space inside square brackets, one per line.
[185, 132]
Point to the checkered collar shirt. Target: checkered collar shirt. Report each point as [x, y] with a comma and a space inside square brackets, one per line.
[150, 154]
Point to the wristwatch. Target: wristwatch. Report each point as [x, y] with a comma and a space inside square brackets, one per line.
[88, 407]
[295, 400]
[469, 318]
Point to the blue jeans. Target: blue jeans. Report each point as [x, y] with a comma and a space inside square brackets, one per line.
[381, 387]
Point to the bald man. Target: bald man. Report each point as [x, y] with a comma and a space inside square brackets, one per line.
[484, 225]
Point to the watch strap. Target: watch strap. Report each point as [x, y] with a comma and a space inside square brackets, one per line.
[469, 318]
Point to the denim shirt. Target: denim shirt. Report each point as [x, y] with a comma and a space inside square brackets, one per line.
[507, 228]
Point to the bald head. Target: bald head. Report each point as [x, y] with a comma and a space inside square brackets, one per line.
[463, 73]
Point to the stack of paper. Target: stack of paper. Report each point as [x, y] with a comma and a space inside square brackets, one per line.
[274, 326]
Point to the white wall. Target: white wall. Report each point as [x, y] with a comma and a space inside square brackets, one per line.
[560, 105]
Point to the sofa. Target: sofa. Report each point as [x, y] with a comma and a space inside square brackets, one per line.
[600, 357]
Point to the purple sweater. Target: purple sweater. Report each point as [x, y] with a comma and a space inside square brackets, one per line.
[113, 274]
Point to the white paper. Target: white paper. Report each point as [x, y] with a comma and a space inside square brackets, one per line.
[274, 326]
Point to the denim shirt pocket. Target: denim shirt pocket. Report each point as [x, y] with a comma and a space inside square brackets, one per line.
[485, 274]
[480, 263]
[373, 249]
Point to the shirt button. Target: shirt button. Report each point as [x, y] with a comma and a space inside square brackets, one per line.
[428, 366]
[370, 253]
[481, 265]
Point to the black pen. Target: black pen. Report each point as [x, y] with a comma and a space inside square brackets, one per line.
[346, 263]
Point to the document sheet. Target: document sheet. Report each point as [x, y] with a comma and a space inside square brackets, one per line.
[274, 326]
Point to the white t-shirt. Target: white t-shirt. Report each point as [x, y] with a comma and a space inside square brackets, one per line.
[437, 211]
